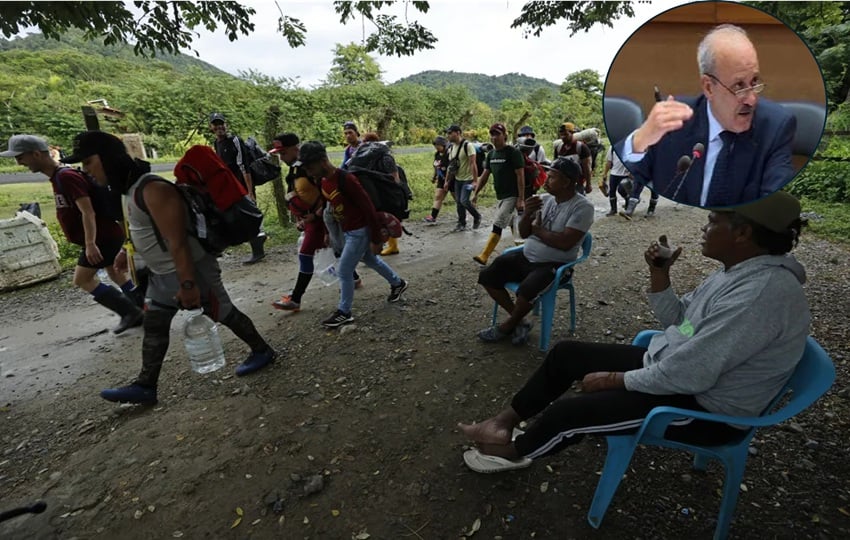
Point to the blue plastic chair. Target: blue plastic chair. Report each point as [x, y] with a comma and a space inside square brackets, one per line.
[812, 377]
[547, 299]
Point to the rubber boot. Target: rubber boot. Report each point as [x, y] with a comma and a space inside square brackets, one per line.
[492, 241]
[257, 251]
[116, 301]
[650, 212]
[630, 208]
[392, 247]
[613, 211]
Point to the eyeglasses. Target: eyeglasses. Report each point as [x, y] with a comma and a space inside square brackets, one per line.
[741, 92]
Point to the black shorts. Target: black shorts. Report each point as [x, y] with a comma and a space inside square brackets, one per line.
[108, 249]
[534, 278]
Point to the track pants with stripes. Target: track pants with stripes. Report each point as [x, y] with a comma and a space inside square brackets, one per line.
[565, 420]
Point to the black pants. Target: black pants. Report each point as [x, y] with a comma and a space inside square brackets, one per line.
[565, 421]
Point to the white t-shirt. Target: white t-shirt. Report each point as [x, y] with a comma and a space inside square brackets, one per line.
[575, 213]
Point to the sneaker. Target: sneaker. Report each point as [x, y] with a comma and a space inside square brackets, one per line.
[459, 228]
[520, 336]
[396, 290]
[476, 222]
[650, 212]
[256, 361]
[134, 393]
[430, 220]
[337, 319]
[287, 304]
[492, 335]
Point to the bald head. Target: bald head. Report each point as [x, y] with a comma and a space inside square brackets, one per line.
[722, 42]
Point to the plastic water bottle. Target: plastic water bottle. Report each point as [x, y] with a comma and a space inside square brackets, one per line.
[299, 243]
[202, 342]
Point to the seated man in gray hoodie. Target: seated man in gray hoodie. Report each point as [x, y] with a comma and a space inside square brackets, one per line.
[728, 347]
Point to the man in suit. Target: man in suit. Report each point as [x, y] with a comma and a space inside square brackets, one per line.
[746, 140]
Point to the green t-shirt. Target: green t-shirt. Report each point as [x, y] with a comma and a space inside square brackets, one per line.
[503, 165]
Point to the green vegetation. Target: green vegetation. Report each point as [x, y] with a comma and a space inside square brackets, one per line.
[489, 89]
[829, 220]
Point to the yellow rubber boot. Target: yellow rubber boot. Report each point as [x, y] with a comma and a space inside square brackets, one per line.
[392, 247]
[488, 249]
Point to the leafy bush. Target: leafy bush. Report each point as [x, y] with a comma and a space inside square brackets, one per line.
[826, 181]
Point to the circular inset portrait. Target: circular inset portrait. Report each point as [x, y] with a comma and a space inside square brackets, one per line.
[714, 104]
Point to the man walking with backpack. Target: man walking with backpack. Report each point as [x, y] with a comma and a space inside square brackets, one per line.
[463, 172]
[361, 226]
[569, 146]
[507, 165]
[183, 275]
[234, 153]
[82, 212]
[537, 153]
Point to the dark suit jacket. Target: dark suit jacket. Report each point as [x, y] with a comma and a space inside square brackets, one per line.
[761, 160]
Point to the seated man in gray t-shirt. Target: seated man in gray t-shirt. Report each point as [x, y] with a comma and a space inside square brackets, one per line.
[553, 227]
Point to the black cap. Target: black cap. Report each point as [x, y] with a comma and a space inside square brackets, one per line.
[567, 167]
[217, 116]
[89, 143]
[287, 139]
[351, 125]
[453, 127]
[311, 152]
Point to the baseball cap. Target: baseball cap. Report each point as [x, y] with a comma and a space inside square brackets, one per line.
[526, 130]
[568, 127]
[311, 152]
[453, 127]
[776, 212]
[350, 125]
[567, 167]
[216, 117]
[18, 144]
[499, 127]
[89, 143]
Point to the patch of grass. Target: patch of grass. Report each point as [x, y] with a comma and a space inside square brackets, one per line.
[420, 168]
[831, 220]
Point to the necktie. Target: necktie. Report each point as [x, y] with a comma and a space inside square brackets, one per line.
[719, 190]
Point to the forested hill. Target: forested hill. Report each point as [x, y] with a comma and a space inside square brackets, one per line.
[487, 88]
[72, 40]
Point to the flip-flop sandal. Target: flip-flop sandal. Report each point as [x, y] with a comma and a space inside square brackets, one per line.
[484, 463]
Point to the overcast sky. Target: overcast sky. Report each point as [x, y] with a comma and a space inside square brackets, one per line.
[473, 37]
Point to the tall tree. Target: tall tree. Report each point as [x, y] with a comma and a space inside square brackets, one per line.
[586, 80]
[825, 27]
[352, 65]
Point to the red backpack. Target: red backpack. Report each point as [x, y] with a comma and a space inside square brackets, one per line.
[535, 175]
[222, 214]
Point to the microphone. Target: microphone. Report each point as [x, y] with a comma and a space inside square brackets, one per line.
[683, 166]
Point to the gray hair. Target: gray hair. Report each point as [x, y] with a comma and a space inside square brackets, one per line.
[705, 50]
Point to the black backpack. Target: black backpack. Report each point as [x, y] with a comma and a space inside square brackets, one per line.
[104, 201]
[368, 164]
[596, 148]
[262, 166]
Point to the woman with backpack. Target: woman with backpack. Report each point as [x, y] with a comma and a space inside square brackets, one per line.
[441, 186]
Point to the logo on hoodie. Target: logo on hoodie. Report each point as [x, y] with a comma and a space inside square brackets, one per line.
[686, 328]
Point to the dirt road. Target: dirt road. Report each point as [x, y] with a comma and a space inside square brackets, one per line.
[351, 433]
